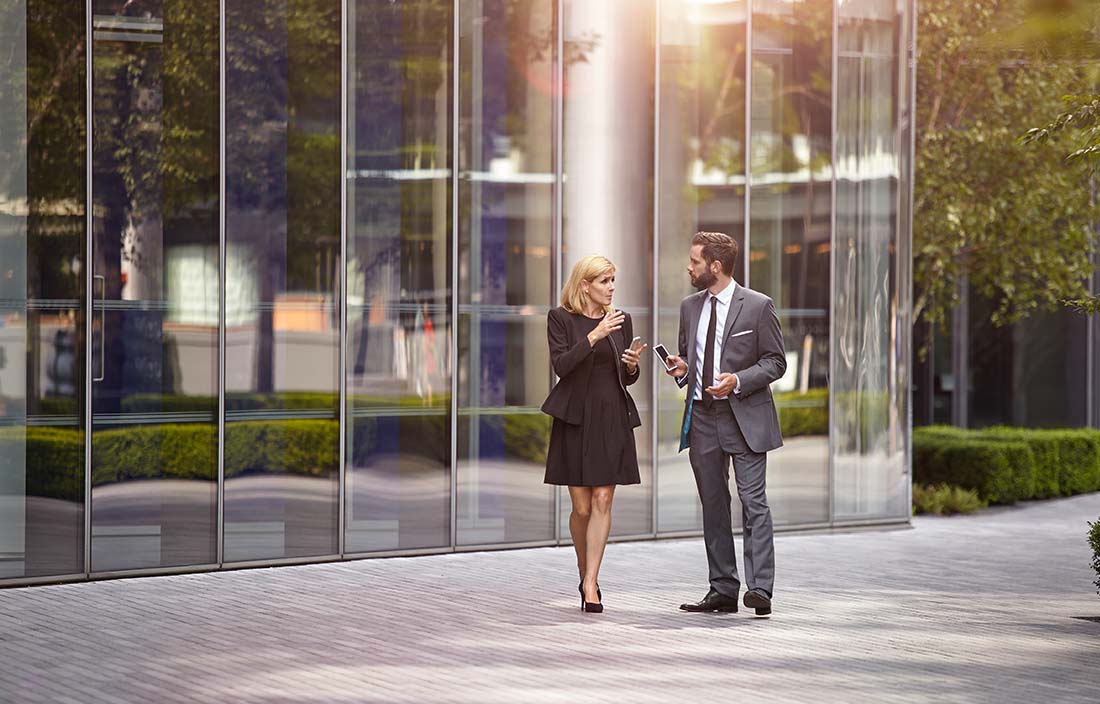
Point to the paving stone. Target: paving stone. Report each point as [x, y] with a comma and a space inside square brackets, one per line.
[983, 608]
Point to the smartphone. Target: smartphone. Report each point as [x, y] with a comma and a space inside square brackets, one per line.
[662, 354]
[636, 343]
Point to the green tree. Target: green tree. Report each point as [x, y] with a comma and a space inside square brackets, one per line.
[1015, 221]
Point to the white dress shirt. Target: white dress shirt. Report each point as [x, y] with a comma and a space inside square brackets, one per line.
[724, 298]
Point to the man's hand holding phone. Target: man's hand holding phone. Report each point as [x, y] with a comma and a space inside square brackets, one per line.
[674, 366]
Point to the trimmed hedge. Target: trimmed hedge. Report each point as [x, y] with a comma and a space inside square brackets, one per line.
[1001, 472]
[1079, 471]
[1008, 464]
[54, 460]
[1045, 447]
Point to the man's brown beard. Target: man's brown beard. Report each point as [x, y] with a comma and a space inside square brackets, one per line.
[704, 281]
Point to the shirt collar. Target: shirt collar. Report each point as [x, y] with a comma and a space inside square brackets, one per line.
[726, 294]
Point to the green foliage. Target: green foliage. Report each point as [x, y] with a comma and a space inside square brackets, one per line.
[1059, 462]
[54, 460]
[1001, 472]
[302, 447]
[1045, 446]
[945, 500]
[1014, 220]
[1079, 465]
[1094, 543]
[177, 451]
[803, 414]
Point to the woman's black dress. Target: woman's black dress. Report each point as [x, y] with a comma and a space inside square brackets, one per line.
[601, 450]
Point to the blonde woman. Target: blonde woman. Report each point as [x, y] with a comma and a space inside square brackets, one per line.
[592, 440]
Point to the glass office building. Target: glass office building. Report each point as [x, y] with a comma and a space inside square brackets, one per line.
[274, 275]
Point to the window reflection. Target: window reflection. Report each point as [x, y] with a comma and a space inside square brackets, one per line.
[282, 256]
[42, 184]
[505, 204]
[869, 461]
[790, 235]
[398, 274]
[155, 229]
[701, 143]
[607, 203]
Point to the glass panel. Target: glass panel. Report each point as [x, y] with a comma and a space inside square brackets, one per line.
[608, 189]
[42, 230]
[155, 229]
[399, 274]
[869, 460]
[789, 239]
[505, 205]
[1028, 374]
[282, 269]
[702, 187]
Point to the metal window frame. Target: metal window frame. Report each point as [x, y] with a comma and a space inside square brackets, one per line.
[655, 303]
[89, 261]
[342, 304]
[222, 268]
[558, 129]
[833, 100]
[455, 127]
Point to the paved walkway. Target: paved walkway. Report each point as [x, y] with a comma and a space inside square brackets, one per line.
[976, 609]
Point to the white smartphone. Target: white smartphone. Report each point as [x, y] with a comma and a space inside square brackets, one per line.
[662, 354]
[636, 343]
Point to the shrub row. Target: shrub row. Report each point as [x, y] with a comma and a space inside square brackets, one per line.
[1005, 465]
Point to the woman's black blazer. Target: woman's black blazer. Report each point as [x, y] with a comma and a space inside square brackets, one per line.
[571, 357]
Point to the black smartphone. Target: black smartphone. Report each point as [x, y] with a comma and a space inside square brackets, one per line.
[662, 354]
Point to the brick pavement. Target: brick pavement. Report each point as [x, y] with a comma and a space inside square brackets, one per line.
[968, 609]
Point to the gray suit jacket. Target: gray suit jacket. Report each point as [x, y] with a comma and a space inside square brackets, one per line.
[752, 348]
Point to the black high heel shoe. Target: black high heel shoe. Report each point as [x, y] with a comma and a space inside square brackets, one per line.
[599, 594]
[588, 606]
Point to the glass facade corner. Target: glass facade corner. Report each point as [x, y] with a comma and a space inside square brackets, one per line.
[274, 276]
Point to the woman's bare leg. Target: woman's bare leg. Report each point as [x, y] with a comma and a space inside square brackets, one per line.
[599, 527]
[578, 522]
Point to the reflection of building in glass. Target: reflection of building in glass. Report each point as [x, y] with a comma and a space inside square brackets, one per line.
[324, 237]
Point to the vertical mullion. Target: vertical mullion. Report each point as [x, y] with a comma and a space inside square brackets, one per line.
[911, 58]
[342, 302]
[223, 254]
[654, 380]
[454, 269]
[833, 172]
[89, 293]
[748, 139]
[557, 121]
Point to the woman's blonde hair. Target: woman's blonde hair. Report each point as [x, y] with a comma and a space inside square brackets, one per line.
[589, 269]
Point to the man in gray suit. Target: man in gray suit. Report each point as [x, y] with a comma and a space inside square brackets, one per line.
[731, 350]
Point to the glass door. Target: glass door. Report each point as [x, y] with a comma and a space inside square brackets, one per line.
[154, 342]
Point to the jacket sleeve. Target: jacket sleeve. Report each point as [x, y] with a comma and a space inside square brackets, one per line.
[682, 350]
[628, 335]
[563, 357]
[772, 362]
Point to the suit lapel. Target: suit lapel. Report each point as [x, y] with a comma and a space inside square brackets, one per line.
[736, 305]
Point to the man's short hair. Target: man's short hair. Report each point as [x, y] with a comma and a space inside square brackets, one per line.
[717, 247]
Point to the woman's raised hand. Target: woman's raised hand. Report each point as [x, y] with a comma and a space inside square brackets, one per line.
[608, 324]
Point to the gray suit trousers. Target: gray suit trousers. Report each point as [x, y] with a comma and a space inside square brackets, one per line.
[715, 439]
